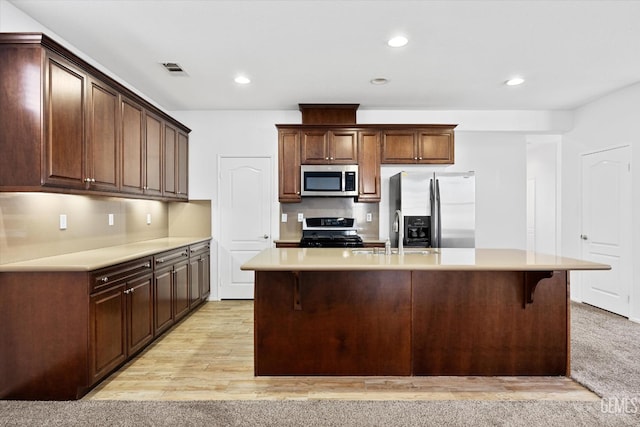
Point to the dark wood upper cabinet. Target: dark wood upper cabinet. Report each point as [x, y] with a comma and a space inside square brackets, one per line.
[64, 123]
[153, 163]
[67, 127]
[432, 144]
[289, 165]
[132, 146]
[329, 147]
[170, 160]
[368, 145]
[103, 150]
[369, 166]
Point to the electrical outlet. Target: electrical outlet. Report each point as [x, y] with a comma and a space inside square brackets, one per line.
[63, 221]
[110, 219]
[148, 219]
[369, 217]
[283, 218]
[300, 217]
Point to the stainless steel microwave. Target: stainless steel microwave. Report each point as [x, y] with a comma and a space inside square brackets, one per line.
[329, 180]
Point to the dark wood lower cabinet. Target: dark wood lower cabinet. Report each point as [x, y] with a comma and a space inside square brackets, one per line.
[411, 323]
[63, 332]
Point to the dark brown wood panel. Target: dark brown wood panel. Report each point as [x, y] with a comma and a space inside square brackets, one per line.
[398, 146]
[289, 166]
[368, 166]
[170, 160]
[153, 163]
[107, 331]
[20, 118]
[333, 323]
[343, 147]
[181, 289]
[182, 165]
[132, 146]
[43, 343]
[163, 295]
[474, 323]
[65, 104]
[436, 147]
[314, 147]
[102, 167]
[139, 313]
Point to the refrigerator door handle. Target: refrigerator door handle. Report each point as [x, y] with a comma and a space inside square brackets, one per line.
[438, 217]
[432, 200]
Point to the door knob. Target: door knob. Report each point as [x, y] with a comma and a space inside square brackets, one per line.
[266, 236]
[584, 237]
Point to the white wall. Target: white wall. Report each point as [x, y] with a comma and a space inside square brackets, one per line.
[608, 122]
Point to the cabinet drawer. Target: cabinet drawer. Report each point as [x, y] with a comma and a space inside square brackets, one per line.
[171, 257]
[199, 248]
[107, 277]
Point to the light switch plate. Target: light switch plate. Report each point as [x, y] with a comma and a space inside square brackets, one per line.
[369, 217]
[148, 218]
[283, 218]
[111, 219]
[300, 217]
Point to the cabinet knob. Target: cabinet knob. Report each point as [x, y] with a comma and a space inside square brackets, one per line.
[419, 158]
[415, 158]
[326, 158]
[584, 237]
[104, 279]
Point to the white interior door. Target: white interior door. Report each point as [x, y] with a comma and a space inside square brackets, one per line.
[245, 221]
[606, 228]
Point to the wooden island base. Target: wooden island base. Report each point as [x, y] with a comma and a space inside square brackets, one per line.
[411, 323]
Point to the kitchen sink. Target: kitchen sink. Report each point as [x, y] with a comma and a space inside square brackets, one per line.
[407, 251]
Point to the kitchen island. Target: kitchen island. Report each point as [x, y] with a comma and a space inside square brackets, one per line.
[322, 311]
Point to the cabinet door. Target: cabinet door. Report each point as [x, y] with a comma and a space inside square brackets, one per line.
[195, 277]
[102, 139]
[182, 165]
[64, 124]
[288, 166]
[343, 147]
[153, 155]
[369, 166]
[205, 273]
[398, 146]
[139, 313]
[170, 160]
[435, 147]
[132, 146]
[314, 147]
[163, 300]
[107, 334]
[181, 286]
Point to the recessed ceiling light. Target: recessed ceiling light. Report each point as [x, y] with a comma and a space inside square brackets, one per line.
[242, 80]
[514, 81]
[379, 81]
[398, 41]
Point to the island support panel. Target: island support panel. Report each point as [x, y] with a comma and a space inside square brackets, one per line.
[411, 323]
[333, 323]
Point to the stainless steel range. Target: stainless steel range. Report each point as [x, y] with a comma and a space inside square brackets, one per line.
[330, 232]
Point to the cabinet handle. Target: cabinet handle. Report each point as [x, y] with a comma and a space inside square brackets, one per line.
[159, 261]
[147, 265]
[104, 279]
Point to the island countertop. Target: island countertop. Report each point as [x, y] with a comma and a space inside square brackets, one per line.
[442, 259]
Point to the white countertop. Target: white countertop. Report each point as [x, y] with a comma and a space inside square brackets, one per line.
[103, 257]
[330, 259]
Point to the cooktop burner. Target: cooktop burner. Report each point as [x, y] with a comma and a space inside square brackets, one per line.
[330, 232]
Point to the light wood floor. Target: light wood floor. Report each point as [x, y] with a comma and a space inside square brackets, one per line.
[209, 356]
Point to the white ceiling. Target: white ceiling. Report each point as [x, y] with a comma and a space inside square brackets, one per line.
[458, 57]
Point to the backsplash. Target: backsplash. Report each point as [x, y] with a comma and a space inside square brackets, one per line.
[30, 223]
[329, 207]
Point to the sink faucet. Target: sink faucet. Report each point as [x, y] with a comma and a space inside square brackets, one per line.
[399, 222]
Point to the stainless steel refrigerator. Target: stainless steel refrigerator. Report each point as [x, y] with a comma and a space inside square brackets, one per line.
[438, 209]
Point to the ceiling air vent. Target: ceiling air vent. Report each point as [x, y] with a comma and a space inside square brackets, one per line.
[174, 68]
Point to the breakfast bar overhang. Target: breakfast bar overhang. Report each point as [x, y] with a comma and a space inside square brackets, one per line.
[427, 312]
